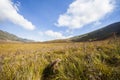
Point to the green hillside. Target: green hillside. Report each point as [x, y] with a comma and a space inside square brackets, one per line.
[5, 36]
[112, 30]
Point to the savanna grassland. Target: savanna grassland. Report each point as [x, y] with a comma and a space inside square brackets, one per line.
[98, 60]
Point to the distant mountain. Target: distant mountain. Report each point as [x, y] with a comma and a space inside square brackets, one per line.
[112, 30]
[8, 37]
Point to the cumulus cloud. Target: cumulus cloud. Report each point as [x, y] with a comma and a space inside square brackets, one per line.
[53, 35]
[82, 12]
[9, 11]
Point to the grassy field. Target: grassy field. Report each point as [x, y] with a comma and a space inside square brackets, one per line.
[98, 60]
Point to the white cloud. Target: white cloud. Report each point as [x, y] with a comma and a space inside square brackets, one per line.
[8, 11]
[82, 12]
[51, 35]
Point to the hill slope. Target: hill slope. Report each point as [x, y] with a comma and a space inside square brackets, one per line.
[101, 34]
[5, 36]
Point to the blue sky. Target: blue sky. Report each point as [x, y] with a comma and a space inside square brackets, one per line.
[42, 20]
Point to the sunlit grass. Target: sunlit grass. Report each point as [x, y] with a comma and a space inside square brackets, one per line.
[79, 61]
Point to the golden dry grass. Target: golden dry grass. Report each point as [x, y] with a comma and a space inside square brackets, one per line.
[79, 61]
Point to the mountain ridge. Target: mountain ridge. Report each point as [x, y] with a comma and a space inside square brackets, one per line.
[8, 37]
[112, 30]
[100, 34]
